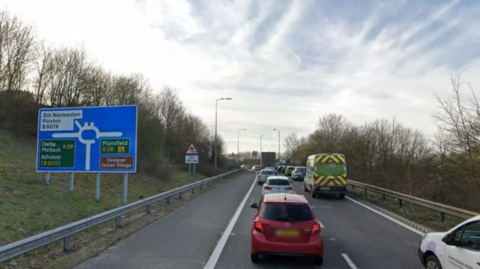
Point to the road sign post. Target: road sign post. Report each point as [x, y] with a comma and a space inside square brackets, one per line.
[191, 158]
[87, 139]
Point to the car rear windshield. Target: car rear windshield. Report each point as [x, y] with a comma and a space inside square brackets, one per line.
[286, 212]
[300, 169]
[268, 172]
[279, 182]
[291, 168]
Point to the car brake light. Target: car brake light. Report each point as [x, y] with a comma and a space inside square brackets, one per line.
[258, 227]
[289, 188]
[267, 188]
[315, 229]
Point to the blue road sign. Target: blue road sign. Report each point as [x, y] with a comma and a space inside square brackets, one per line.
[87, 139]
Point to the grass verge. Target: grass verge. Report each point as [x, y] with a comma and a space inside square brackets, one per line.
[415, 213]
[28, 206]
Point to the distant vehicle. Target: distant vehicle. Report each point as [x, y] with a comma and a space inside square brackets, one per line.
[268, 159]
[276, 184]
[273, 169]
[457, 248]
[279, 168]
[288, 170]
[298, 173]
[326, 173]
[256, 168]
[285, 224]
[243, 166]
[283, 169]
[263, 174]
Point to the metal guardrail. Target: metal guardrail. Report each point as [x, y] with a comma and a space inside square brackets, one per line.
[65, 232]
[442, 208]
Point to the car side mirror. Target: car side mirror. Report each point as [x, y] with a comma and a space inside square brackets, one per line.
[254, 205]
[313, 207]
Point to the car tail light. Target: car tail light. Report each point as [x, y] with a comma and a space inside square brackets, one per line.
[315, 229]
[258, 227]
[289, 188]
[267, 188]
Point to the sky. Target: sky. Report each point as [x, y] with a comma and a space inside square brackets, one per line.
[284, 63]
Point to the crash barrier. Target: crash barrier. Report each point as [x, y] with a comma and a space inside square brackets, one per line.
[66, 232]
[441, 208]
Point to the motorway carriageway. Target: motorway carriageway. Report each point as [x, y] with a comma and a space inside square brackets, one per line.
[355, 236]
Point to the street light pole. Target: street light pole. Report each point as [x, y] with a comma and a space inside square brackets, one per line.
[238, 141]
[216, 107]
[279, 152]
[261, 161]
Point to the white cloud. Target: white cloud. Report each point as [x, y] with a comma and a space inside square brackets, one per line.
[284, 63]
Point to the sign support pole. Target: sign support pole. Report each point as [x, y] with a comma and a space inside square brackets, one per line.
[47, 178]
[72, 178]
[97, 188]
[189, 171]
[125, 189]
[194, 171]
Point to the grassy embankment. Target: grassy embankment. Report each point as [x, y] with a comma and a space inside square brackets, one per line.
[28, 206]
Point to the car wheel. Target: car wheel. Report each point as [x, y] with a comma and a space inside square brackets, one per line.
[318, 260]
[305, 187]
[255, 258]
[342, 195]
[432, 263]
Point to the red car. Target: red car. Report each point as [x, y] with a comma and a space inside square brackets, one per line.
[285, 224]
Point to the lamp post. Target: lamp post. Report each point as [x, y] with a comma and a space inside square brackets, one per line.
[216, 107]
[279, 152]
[261, 161]
[238, 141]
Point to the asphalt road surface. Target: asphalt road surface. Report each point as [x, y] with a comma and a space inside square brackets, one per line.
[191, 237]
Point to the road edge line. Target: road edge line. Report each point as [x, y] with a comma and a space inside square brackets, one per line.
[213, 259]
[387, 217]
[349, 261]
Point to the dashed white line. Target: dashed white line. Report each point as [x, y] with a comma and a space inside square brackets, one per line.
[388, 217]
[321, 224]
[350, 263]
[212, 261]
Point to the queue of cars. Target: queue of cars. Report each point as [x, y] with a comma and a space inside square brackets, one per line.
[284, 223]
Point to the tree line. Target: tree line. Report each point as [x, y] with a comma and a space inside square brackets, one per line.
[388, 154]
[34, 75]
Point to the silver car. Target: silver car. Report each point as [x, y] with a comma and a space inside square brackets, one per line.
[273, 169]
[298, 173]
[277, 184]
[263, 174]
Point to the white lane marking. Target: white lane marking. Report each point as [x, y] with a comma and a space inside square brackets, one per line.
[212, 261]
[388, 217]
[321, 224]
[352, 265]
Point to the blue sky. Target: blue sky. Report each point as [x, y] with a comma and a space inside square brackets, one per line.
[284, 63]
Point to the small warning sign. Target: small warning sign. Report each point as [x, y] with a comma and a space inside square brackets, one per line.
[192, 150]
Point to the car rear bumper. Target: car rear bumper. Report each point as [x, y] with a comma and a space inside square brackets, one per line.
[261, 180]
[271, 191]
[331, 189]
[260, 245]
[297, 176]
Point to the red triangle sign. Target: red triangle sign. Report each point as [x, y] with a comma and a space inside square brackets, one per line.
[192, 150]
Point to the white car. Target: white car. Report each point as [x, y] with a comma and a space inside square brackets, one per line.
[277, 184]
[457, 248]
